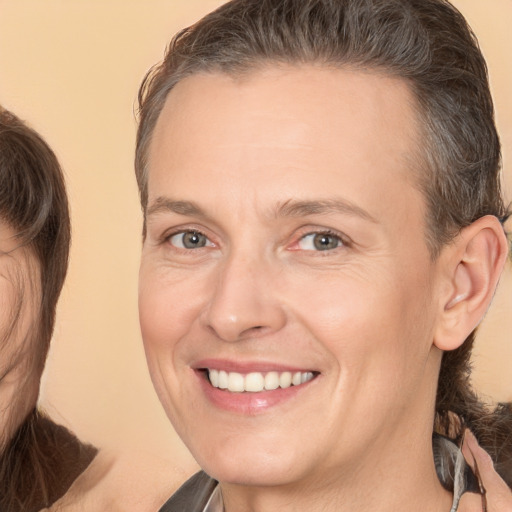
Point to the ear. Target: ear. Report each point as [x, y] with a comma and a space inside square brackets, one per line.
[473, 264]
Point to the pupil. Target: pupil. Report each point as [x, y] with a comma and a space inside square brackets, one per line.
[324, 242]
[194, 239]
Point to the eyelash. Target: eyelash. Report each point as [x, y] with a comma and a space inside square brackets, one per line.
[169, 236]
[342, 241]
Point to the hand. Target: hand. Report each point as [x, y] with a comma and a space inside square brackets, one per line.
[497, 496]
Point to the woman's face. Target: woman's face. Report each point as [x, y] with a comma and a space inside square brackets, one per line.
[285, 255]
[19, 306]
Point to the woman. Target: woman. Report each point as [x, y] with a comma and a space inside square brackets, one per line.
[323, 232]
[39, 460]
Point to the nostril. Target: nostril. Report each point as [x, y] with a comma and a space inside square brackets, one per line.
[234, 321]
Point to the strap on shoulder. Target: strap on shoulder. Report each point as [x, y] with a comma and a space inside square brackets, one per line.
[192, 496]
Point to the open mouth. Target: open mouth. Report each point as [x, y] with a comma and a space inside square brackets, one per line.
[256, 382]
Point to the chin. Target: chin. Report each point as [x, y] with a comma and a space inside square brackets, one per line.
[258, 472]
[252, 462]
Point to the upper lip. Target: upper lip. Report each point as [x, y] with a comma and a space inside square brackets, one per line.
[244, 367]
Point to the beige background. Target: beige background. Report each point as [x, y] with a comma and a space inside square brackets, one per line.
[72, 68]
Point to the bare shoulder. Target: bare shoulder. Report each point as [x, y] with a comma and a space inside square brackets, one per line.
[123, 481]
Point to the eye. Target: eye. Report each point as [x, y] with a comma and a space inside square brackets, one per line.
[190, 240]
[320, 242]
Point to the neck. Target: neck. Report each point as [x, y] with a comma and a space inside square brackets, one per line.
[397, 476]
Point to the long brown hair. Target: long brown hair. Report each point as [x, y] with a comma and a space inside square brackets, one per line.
[427, 43]
[34, 203]
[41, 459]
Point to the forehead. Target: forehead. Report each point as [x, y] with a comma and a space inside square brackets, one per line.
[309, 130]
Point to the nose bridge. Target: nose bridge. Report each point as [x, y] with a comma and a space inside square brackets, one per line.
[244, 302]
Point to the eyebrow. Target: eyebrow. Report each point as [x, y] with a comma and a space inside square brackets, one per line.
[294, 208]
[290, 208]
[165, 204]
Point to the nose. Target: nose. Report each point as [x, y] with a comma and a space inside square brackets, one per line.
[245, 301]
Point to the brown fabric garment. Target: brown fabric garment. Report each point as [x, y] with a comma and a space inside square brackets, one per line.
[39, 465]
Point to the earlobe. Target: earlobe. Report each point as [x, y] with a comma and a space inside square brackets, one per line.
[474, 265]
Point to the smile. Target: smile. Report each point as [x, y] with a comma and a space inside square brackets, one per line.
[256, 382]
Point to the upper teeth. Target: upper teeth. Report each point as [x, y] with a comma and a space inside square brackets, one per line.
[256, 381]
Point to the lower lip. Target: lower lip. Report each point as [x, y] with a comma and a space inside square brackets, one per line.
[249, 403]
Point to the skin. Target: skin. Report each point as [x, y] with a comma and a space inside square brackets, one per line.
[18, 375]
[245, 152]
[497, 493]
[118, 481]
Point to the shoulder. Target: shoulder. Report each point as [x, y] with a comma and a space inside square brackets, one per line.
[123, 481]
[40, 463]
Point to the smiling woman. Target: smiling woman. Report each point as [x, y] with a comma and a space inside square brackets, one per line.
[72, 69]
[323, 232]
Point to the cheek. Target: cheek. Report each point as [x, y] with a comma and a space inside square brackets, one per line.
[369, 322]
[345, 305]
[169, 304]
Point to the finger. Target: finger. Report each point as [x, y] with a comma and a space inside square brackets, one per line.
[496, 492]
[471, 502]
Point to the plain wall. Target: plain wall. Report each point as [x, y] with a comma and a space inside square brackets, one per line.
[72, 69]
